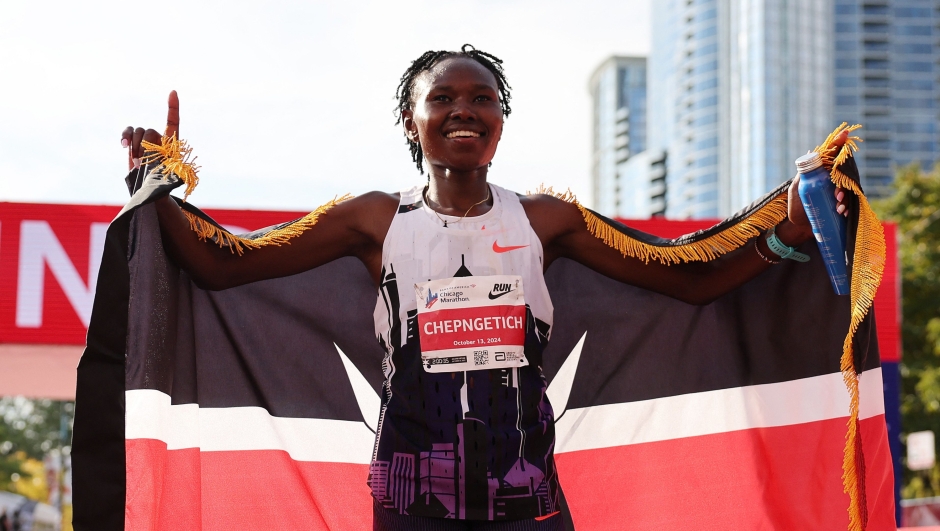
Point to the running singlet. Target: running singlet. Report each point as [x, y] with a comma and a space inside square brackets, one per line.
[463, 314]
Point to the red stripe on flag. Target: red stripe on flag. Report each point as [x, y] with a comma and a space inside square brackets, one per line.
[719, 482]
[188, 490]
[712, 482]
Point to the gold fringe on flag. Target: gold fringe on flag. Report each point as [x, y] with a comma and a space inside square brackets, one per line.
[238, 244]
[868, 263]
[174, 155]
[703, 250]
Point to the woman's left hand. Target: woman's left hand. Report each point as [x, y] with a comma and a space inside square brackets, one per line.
[795, 212]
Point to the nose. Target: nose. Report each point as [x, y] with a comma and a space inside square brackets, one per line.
[462, 111]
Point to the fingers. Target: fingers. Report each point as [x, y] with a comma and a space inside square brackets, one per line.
[136, 151]
[132, 138]
[127, 135]
[795, 212]
[841, 207]
[173, 115]
[153, 136]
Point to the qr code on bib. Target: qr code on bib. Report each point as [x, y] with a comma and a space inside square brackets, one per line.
[481, 357]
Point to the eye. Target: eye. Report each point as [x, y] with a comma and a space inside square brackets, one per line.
[441, 97]
[483, 97]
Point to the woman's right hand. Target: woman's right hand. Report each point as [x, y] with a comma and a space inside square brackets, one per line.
[132, 137]
[356, 227]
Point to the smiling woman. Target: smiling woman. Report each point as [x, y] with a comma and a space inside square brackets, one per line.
[463, 312]
[420, 68]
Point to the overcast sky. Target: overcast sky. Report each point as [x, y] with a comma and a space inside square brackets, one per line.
[286, 103]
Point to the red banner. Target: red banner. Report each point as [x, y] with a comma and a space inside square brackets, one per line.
[49, 258]
[49, 252]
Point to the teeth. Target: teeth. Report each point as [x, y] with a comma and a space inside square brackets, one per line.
[456, 134]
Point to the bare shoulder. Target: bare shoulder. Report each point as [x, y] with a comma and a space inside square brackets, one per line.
[367, 205]
[369, 214]
[551, 216]
[372, 199]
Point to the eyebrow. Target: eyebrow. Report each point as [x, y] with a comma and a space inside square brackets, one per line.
[478, 86]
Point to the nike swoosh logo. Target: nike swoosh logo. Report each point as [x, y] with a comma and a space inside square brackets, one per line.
[498, 295]
[498, 249]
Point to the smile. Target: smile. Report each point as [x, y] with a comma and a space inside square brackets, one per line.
[463, 134]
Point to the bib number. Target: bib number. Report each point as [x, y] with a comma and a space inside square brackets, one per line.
[472, 323]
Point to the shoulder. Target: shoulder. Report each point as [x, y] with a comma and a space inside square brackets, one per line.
[550, 207]
[368, 203]
[376, 198]
[370, 213]
[552, 216]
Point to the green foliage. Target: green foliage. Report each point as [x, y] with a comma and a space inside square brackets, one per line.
[29, 429]
[915, 207]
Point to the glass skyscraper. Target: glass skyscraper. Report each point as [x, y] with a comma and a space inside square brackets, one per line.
[683, 115]
[741, 88]
[738, 89]
[886, 78]
[618, 92]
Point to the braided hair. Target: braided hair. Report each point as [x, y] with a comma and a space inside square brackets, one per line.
[405, 91]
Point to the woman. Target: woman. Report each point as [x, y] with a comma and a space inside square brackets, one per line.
[463, 355]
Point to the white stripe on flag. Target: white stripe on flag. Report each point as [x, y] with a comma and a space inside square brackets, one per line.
[725, 410]
[149, 415]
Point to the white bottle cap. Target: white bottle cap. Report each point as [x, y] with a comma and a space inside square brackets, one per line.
[808, 162]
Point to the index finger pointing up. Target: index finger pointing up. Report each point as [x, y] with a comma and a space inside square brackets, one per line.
[173, 115]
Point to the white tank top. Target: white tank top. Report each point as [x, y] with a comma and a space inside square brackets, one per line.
[453, 441]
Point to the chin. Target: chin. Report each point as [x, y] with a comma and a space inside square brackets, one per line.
[464, 166]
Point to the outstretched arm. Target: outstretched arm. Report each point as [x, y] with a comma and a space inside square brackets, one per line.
[565, 234]
[562, 229]
[352, 228]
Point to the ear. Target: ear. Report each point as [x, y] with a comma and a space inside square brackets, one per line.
[408, 122]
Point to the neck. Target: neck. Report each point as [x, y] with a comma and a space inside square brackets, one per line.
[453, 192]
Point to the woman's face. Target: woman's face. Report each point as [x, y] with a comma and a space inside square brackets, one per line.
[456, 115]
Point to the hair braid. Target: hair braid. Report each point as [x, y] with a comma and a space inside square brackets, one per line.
[405, 91]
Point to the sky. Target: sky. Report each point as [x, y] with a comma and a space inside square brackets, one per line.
[286, 104]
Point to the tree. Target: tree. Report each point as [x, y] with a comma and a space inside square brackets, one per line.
[915, 207]
[29, 429]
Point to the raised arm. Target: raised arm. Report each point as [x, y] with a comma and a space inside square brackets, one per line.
[351, 228]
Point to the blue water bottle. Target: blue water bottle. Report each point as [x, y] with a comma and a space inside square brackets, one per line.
[817, 193]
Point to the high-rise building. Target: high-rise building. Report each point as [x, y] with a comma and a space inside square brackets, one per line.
[684, 94]
[738, 89]
[742, 88]
[642, 181]
[618, 90]
[886, 78]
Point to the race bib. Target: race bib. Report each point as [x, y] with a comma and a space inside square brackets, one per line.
[471, 323]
